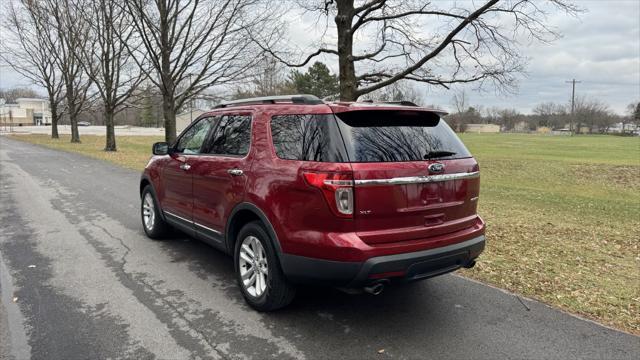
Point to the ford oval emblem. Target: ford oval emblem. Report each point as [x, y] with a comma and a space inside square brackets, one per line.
[436, 168]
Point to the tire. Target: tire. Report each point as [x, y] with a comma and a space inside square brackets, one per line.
[264, 290]
[152, 222]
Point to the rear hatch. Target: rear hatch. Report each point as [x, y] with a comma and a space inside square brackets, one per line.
[414, 179]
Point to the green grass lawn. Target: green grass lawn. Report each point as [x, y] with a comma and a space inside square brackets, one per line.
[563, 216]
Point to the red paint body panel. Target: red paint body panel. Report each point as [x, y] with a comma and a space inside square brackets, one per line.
[391, 213]
[215, 191]
[177, 186]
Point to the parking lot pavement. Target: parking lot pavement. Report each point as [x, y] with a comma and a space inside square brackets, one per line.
[80, 280]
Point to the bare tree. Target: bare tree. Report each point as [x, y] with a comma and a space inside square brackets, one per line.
[28, 49]
[437, 43]
[107, 61]
[269, 78]
[14, 93]
[460, 101]
[551, 114]
[509, 118]
[62, 16]
[633, 115]
[191, 45]
[399, 91]
[592, 114]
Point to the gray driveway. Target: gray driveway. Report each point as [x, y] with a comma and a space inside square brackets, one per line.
[78, 279]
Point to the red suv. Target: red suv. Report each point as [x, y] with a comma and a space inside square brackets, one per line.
[347, 194]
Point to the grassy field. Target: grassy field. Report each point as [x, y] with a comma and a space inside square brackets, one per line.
[563, 216]
[133, 151]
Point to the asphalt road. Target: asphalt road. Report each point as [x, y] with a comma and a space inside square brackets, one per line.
[78, 279]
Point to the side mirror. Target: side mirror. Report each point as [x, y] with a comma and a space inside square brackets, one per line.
[161, 148]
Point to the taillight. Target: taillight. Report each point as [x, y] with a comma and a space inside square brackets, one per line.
[337, 189]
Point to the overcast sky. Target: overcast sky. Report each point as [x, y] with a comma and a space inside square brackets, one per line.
[601, 48]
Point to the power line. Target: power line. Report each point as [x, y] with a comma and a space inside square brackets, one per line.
[573, 101]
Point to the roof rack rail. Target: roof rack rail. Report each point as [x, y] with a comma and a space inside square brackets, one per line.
[295, 99]
[401, 102]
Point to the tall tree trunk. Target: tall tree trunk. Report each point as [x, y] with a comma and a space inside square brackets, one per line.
[75, 134]
[109, 124]
[53, 107]
[169, 112]
[344, 20]
[73, 114]
[168, 90]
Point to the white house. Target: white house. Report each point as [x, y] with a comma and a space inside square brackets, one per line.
[25, 111]
[621, 127]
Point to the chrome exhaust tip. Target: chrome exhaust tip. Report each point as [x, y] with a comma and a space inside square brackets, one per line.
[374, 289]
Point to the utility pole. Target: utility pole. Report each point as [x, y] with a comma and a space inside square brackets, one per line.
[573, 102]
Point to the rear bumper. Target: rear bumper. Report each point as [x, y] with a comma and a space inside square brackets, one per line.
[407, 266]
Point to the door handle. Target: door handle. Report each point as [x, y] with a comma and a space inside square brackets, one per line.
[235, 172]
[185, 166]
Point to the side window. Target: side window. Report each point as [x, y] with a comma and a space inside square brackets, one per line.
[307, 138]
[232, 136]
[191, 141]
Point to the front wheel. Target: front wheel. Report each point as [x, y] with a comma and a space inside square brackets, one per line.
[154, 226]
[260, 278]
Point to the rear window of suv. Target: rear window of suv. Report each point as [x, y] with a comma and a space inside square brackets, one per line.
[365, 136]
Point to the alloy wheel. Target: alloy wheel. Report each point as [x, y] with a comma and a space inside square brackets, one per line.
[148, 211]
[254, 270]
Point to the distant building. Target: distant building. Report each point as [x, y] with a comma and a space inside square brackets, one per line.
[563, 131]
[483, 128]
[184, 119]
[618, 128]
[585, 130]
[521, 126]
[26, 111]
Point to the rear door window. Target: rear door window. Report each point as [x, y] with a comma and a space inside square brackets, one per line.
[308, 138]
[232, 136]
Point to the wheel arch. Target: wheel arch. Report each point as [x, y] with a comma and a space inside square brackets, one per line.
[144, 182]
[242, 214]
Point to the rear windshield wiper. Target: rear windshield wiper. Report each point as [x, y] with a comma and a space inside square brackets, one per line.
[437, 154]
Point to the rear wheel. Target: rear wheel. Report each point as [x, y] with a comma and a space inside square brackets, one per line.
[258, 272]
[154, 226]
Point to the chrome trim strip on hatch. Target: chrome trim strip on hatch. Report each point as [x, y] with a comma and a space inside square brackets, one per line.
[417, 179]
